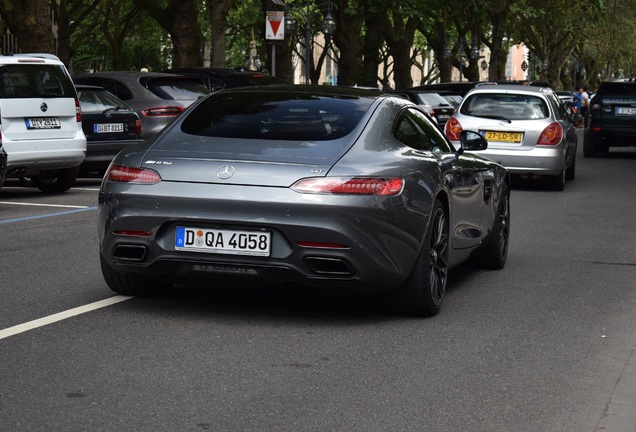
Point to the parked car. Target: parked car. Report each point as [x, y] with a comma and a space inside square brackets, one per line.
[156, 97]
[612, 117]
[40, 121]
[109, 125]
[217, 78]
[436, 106]
[312, 184]
[567, 97]
[529, 130]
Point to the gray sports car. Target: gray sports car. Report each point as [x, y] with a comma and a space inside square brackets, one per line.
[316, 185]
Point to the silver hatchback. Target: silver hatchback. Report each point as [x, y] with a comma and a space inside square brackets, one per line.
[529, 130]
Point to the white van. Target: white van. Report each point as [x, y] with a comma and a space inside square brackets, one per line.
[40, 121]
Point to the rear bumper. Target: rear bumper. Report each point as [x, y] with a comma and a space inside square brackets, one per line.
[623, 136]
[538, 161]
[44, 154]
[105, 151]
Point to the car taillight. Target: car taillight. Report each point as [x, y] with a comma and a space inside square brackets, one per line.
[452, 129]
[78, 111]
[349, 186]
[138, 127]
[164, 111]
[118, 173]
[551, 135]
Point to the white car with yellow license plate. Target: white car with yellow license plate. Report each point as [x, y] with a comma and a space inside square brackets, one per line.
[529, 130]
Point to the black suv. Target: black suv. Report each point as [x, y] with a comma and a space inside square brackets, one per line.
[612, 120]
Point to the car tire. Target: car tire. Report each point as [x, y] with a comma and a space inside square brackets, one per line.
[495, 253]
[56, 181]
[424, 290]
[557, 183]
[570, 171]
[131, 284]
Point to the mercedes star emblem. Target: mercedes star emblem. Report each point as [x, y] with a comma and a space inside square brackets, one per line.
[225, 172]
[44, 107]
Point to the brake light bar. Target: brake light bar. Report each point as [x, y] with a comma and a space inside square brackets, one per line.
[349, 186]
[163, 111]
[123, 174]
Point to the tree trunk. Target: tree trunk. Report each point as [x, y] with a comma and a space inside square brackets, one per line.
[31, 23]
[217, 13]
[347, 39]
[180, 19]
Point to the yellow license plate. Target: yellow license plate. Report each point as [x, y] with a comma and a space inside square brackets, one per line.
[514, 137]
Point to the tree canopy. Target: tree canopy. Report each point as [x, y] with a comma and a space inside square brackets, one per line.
[569, 41]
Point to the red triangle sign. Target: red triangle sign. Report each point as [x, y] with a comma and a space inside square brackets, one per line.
[275, 25]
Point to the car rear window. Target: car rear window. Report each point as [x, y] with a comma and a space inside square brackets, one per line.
[96, 101]
[432, 99]
[276, 116]
[177, 89]
[509, 106]
[617, 89]
[19, 81]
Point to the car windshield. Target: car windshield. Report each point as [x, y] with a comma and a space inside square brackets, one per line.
[34, 81]
[276, 116]
[96, 101]
[506, 105]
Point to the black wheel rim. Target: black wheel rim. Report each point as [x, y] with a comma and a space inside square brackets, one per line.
[504, 225]
[438, 264]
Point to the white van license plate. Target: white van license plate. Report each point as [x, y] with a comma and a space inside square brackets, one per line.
[233, 242]
[108, 127]
[42, 123]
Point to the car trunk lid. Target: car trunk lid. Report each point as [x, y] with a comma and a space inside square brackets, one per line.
[244, 162]
[38, 118]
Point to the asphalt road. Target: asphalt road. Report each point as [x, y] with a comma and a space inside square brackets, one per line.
[542, 345]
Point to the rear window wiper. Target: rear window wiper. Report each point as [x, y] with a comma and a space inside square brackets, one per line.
[111, 109]
[494, 117]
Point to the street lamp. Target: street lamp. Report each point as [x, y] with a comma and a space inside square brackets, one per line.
[461, 45]
[328, 28]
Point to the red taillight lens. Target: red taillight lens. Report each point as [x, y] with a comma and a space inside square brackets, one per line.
[138, 127]
[78, 111]
[452, 129]
[133, 233]
[118, 173]
[551, 135]
[165, 111]
[321, 245]
[349, 186]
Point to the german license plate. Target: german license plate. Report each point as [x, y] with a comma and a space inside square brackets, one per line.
[625, 111]
[514, 137]
[42, 123]
[232, 242]
[108, 127]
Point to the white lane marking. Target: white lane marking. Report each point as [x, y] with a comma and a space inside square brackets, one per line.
[41, 322]
[43, 205]
[86, 189]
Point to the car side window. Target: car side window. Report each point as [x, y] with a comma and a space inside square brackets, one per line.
[433, 136]
[121, 91]
[408, 134]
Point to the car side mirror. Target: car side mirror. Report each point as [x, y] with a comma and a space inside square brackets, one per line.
[471, 140]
